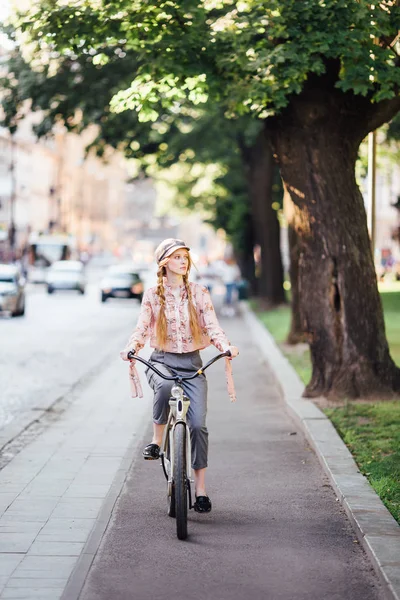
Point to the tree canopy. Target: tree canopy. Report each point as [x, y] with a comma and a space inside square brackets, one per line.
[252, 55]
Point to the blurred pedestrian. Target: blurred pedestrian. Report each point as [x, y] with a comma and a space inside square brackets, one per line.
[230, 275]
[207, 276]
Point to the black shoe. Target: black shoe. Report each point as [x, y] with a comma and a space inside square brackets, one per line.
[202, 504]
[151, 452]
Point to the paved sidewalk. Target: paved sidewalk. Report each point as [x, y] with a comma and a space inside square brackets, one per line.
[65, 482]
[276, 532]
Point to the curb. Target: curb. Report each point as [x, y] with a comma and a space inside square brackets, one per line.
[375, 527]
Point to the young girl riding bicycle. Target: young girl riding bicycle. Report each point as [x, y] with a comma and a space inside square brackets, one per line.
[179, 319]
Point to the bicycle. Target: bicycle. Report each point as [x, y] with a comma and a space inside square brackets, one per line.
[176, 447]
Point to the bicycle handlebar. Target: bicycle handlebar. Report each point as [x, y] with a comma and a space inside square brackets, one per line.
[132, 356]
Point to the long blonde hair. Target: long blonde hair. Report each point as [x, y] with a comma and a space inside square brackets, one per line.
[161, 323]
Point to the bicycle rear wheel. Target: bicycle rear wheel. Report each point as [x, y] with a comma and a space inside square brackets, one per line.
[180, 480]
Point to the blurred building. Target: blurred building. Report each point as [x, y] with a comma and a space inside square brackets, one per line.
[50, 185]
[387, 208]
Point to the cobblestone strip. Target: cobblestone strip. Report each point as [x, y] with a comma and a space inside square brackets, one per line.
[53, 491]
[377, 530]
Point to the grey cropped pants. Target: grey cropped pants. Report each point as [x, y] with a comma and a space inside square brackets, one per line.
[196, 390]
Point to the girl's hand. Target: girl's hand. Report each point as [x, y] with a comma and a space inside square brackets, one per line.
[234, 352]
[124, 354]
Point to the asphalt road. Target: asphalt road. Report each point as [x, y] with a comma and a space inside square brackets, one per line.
[61, 339]
[276, 531]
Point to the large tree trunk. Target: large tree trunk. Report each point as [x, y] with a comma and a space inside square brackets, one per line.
[265, 221]
[316, 141]
[296, 333]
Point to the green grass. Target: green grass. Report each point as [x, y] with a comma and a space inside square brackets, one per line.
[277, 321]
[372, 434]
[391, 307]
[371, 431]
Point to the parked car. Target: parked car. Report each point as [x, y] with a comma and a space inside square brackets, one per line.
[121, 282]
[12, 291]
[66, 275]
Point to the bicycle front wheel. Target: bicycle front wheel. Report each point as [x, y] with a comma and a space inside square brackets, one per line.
[180, 480]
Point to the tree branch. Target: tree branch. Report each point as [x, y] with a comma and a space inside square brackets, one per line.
[381, 113]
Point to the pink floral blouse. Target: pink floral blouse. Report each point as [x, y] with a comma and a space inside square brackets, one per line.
[179, 335]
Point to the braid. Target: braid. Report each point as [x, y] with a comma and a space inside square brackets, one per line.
[161, 325]
[193, 317]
